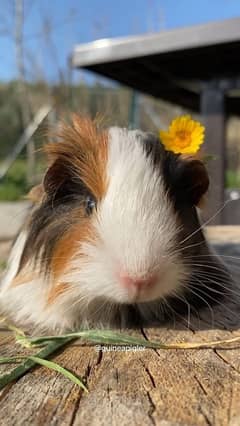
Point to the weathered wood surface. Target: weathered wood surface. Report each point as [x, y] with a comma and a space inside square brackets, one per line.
[175, 387]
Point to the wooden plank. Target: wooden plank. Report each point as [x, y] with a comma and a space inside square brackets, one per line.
[133, 388]
[166, 388]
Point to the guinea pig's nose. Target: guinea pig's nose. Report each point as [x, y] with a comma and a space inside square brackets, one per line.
[129, 282]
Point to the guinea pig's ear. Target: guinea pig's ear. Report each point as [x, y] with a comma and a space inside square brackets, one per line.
[57, 178]
[192, 181]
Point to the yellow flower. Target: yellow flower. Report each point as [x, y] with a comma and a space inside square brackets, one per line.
[184, 135]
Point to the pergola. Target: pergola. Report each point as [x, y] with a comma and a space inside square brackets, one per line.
[196, 67]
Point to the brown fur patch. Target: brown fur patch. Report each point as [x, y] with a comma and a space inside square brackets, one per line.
[64, 252]
[57, 291]
[69, 244]
[22, 278]
[83, 149]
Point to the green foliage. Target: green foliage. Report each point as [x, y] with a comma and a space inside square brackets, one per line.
[112, 102]
[87, 100]
[14, 186]
[3, 265]
[232, 179]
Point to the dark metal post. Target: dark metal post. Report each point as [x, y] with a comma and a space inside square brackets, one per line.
[213, 113]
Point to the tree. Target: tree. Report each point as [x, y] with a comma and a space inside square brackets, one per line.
[24, 103]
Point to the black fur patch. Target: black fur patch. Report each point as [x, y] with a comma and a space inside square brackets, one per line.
[186, 182]
[52, 219]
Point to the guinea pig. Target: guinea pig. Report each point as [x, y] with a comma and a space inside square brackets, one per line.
[114, 237]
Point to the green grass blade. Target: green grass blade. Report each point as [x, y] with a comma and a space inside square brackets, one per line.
[101, 337]
[10, 360]
[107, 337]
[45, 363]
[54, 366]
[22, 369]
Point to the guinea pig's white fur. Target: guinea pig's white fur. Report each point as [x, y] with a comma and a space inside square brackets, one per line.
[136, 228]
[136, 225]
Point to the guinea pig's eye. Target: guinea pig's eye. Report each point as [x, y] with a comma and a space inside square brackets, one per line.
[90, 205]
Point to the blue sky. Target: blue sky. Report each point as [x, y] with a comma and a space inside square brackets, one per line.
[79, 21]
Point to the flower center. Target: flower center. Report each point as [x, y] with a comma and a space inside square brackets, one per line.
[183, 138]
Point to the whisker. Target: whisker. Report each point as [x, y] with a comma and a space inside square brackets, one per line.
[185, 248]
[171, 309]
[184, 300]
[175, 313]
[230, 267]
[100, 307]
[205, 265]
[78, 301]
[213, 289]
[216, 255]
[206, 222]
[219, 284]
[219, 303]
[189, 288]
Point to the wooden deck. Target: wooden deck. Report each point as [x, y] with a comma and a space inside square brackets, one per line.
[175, 387]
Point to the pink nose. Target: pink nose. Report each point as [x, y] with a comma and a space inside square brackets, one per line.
[137, 283]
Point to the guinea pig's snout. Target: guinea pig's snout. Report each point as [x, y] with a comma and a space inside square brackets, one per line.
[134, 284]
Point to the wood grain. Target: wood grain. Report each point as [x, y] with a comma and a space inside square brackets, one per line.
[147, 387]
